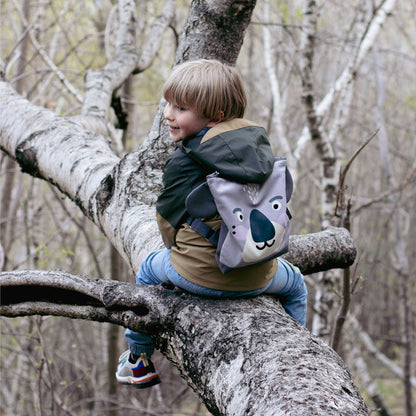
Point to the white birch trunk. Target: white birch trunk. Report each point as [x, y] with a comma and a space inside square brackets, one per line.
[278, 111]
[324, 132]
[118, 195]
[401, 261]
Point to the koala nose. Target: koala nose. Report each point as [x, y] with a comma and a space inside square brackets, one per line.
[261, 227]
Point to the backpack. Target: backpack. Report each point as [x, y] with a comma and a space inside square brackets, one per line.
[255, 220]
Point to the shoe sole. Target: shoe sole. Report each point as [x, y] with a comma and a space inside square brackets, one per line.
[144, 385]
[140, 384]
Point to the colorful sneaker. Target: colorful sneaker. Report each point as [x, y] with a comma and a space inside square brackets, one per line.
[141, 374]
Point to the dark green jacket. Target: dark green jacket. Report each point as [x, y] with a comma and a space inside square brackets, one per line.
[237, 149]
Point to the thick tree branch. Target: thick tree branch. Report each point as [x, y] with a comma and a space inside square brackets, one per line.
[332, 248]
[241, 356]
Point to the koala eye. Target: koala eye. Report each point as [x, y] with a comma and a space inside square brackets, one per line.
[276, 205]
[239, 214]
[276, 202]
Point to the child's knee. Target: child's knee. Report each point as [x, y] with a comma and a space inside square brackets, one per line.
[300, 285]
[295, 283]
[140, 275]
[153, 268]
[145, 274]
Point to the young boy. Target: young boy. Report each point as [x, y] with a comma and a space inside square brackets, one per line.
[205, 105]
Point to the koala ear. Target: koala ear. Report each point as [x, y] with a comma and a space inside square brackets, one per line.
[200, 202]
[289, 185]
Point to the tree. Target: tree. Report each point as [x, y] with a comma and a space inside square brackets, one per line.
[102, 185]
[241, 357]
[116, 190]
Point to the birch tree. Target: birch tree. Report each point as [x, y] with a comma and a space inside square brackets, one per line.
[326, 117]
[76, 156]
[327, 111]
[400, 251]
[325, 131]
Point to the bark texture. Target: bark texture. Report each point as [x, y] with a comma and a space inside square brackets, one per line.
[242, 357]
[224, 21]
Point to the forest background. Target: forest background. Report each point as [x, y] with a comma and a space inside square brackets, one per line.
[59, 366]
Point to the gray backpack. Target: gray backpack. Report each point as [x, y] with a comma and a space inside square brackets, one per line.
[255, 220]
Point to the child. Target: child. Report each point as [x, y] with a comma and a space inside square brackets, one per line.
[205, 105]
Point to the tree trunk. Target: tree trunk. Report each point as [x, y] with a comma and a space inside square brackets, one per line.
[270, 365]
[113, 332]
[400, 260]
[224, 21]
[325, 132]
[242, 357]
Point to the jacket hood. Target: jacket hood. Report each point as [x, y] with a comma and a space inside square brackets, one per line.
[238, 149]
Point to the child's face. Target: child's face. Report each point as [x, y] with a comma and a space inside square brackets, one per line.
[184, 122]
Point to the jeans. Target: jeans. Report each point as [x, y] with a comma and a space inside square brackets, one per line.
[287, 284]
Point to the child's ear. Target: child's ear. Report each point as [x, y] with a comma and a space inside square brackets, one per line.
[220, 117]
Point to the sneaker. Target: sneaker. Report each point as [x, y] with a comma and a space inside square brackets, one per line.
[141, 374]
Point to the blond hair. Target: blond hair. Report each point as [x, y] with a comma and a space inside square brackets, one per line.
[212, 89]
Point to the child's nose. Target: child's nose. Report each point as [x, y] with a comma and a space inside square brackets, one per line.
[167, 112]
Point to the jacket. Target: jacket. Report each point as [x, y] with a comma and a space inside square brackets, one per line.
[238, 149]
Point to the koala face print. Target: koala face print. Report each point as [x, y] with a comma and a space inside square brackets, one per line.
[256, 220]
[261, 228]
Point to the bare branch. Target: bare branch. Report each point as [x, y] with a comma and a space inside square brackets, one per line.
[156, 35]
[49, 61]
[100, 85]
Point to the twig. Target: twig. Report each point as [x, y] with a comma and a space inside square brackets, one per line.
[345, 214]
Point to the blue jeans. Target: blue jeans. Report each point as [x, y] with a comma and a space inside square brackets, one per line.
[287, 284]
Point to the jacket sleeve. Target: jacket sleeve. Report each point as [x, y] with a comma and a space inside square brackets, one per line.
[181, 176]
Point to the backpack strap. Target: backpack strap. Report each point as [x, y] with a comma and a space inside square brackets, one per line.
[205, 230]
[200, 204]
